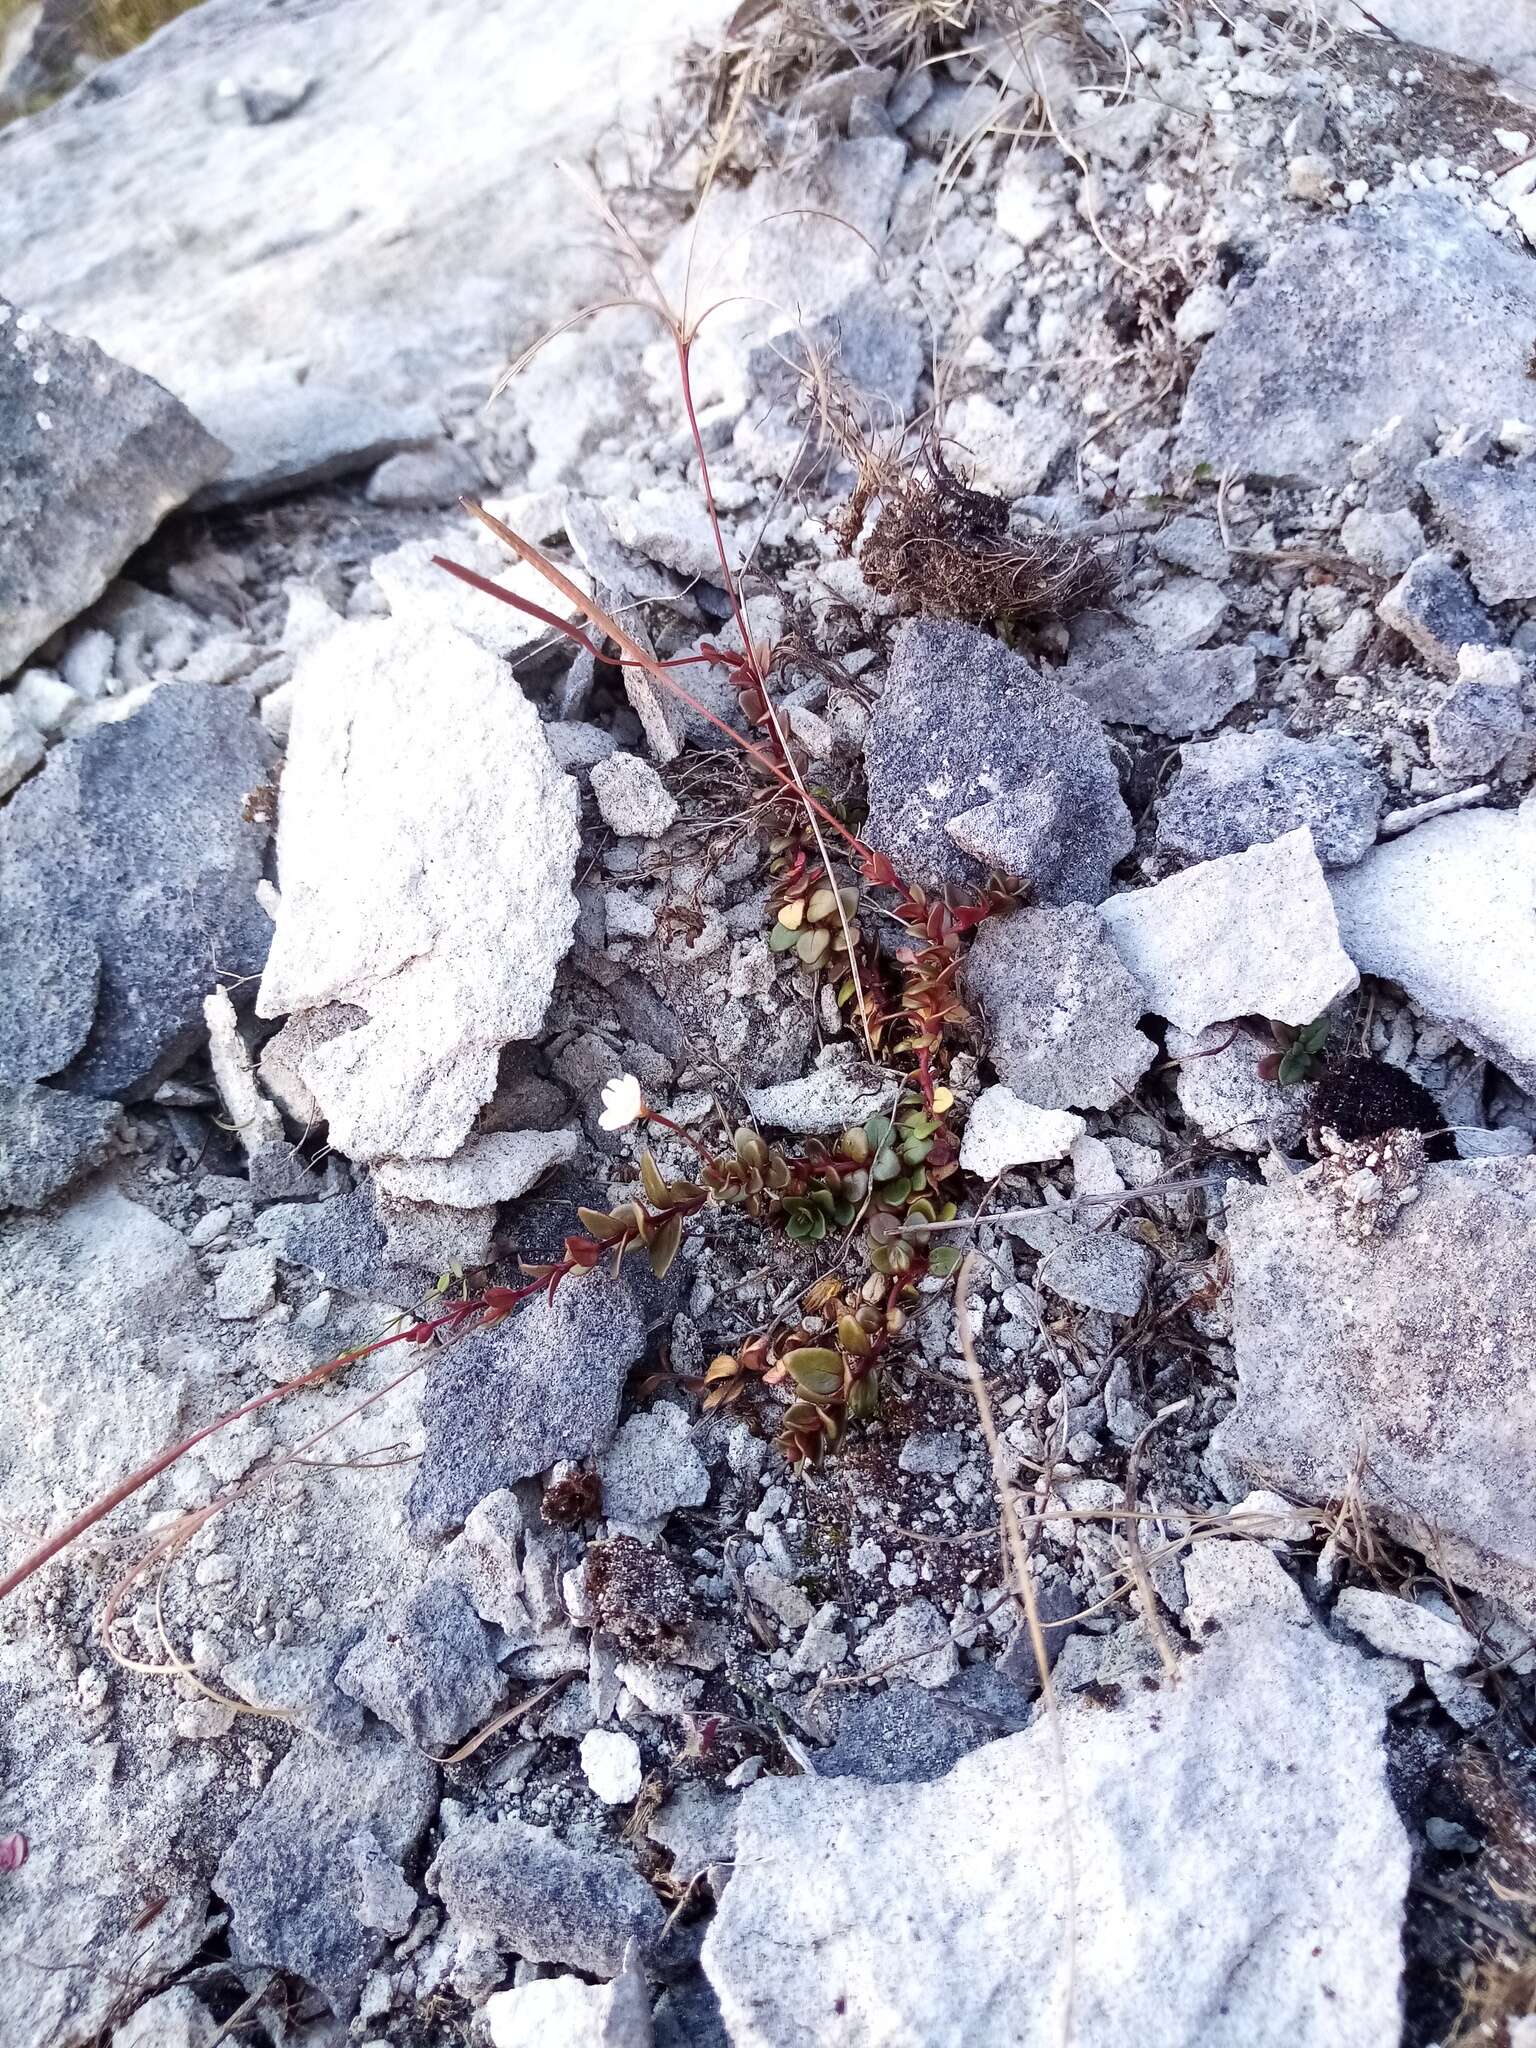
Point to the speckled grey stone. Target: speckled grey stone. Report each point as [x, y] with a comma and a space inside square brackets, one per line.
[1243, 788]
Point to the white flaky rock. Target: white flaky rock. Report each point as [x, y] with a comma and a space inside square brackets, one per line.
[1239, 1821]
[610, 1762]
[1401, 1628]
[1250, 934]
[1400, 1362]
[426, 845]
[497, 1167]
[1448, 911]
[833, 1095]
[1002, 1131]
[564, 2012]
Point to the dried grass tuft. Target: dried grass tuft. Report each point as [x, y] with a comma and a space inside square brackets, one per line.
[943, 549]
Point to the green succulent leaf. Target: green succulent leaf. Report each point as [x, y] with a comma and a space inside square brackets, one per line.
[817, 1372]
[879, 1130]
[885, 1165]
[651, 1180]
[944, 1260]
[782, 938]
[664, 1246]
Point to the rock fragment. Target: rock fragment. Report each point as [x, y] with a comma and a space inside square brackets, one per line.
[1401, 1628]
[1408, 1346]
[1251, 934]
[563, 2012]
[1432, 606]
[1448, 911]
[833, 1095]
[976, 762]
[1089, 1263]
[935, 1919]
[94, 457]
[290, 1875]
[1002, 1132]
[611, 1765]
[1060, 1007]
[1243, 789]
[1220, 1089]
[632, 797]
[426, 844]
[528, 1892]
[508, 1402]
[497, 1166]
[1480, 721]
[914, 1643]
[651, 1469]
[1412, 308]
[427, 1666]
[287, 435]
[117, 916]
[49, 1138]
[1174, 693]
[1490, 515]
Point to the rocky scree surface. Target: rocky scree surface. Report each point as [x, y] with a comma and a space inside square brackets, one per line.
[499, 1689]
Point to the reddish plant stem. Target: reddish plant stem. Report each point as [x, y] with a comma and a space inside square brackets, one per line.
[654, 1116]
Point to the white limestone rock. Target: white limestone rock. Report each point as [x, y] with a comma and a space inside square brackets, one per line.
[496, 1167]
[1251, 933]
[632, 797]
[1239, 1821]
[1411, 1346]
[426, 845]
[1002, 1131]
[1448, 911]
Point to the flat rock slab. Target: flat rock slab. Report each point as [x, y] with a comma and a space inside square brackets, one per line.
[977, 763]
[426, 844]
[94, 456]
[508, 1402]
[118, 912]
[1449, 913]
[1412, 1349]
[1175, 693]
[1251, 934]
[1244, 788]
[1060, 1007]
[290, 435]
[1240, 1821]
[1413, 308]
[294, 1876]
[397, 231]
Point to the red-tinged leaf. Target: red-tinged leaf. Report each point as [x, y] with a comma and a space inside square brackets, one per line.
[1269, 1066]
[13, 1851]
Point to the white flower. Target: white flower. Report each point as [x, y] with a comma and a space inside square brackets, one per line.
[623, 1104]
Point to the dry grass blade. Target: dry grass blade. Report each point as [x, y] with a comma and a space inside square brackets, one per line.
[1025, 1584]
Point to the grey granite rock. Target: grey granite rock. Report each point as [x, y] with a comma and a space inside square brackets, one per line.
[1490, 515]
[1433, 607]
[300, 1680]
[47, 1139]
[1176, 694]
[508, 1402]
[523, 1889]
[340, 1241]
[427, 1666]
[651, 1468]
[290, 1876]
[977, 761]
[94, 456]
[869, 342]
[1060, 1007]
[1243, 788]
[1410, 1348]
[1480, 721]
[118, 914]
[1410, 308]
[1089, 1263]
[909, 1734]
[1222, 1092]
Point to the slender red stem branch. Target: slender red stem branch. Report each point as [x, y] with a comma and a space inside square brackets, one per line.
[654, 1116]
